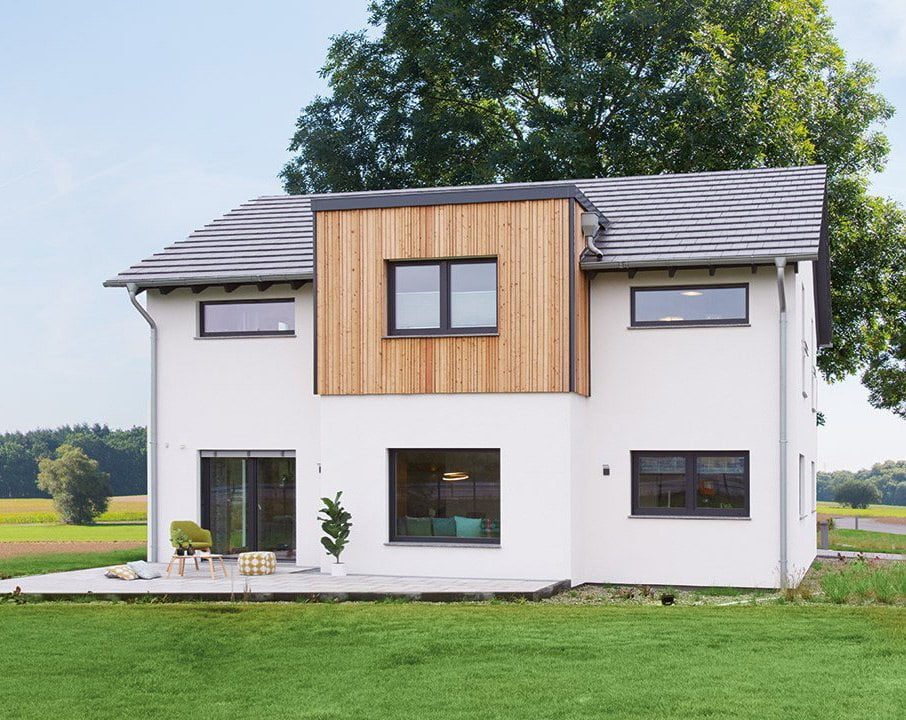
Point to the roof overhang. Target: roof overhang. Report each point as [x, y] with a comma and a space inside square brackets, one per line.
[450, 196]
[145, 283]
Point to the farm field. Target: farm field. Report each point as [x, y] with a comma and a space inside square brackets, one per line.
[405, 660]
[867, 541]
[56, 532]
[123, 508]
[876, 511]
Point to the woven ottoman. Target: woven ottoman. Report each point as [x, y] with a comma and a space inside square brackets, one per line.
[257, 563]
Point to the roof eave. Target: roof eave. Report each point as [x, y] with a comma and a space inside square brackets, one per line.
[189, 281]
[760, 259]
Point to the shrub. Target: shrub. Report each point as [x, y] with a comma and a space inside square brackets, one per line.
[857, 493]
[80, 491]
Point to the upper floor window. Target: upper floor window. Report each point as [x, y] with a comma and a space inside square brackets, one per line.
[690, 305]
[240, 318]
[443, 297]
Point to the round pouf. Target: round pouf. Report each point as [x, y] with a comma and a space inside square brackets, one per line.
[257, 563]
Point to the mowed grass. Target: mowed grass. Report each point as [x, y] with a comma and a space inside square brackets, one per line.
[41, 563]
[123, 508]
[832, 508]
[391, 660]
[867, 541]
[123, 532]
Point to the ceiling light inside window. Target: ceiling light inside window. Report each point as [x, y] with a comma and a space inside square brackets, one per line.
[454, 476]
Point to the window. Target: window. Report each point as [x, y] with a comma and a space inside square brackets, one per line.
[814, 489]
[803, 489]
[690, 305]
[247, 317]
[701, 483]
[445, 496]
[443, 297]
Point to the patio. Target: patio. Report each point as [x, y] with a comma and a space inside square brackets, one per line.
[287, 583]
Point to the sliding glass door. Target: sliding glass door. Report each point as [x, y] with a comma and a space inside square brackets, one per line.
[249, 503]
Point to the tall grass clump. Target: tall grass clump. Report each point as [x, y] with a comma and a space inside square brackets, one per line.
[863, 581]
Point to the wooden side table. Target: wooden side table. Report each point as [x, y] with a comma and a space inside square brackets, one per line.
[180, 561]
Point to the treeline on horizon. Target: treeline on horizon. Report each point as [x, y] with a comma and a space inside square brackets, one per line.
[889, 477]
[121, 453]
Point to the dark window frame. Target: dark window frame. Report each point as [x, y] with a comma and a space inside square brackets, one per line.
[690, 509]
[424, 539]
[445, 327]
[680, 323]
[252, 333]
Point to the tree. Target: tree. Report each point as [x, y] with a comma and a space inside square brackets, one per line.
[857, 493]
[80, 491]
[472, 91]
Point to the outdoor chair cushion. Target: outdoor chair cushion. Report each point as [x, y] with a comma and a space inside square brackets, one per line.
[143, 570]
[257, 563]
[123, 572]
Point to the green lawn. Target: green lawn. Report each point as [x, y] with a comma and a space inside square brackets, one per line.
[133, 532]
[392, 660]
[58, 562]
[831, 508]
[867, 541]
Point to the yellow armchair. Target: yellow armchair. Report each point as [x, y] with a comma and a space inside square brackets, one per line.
[198, 536]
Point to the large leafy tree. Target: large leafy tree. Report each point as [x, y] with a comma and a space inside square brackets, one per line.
[468, 91]
[79, 489]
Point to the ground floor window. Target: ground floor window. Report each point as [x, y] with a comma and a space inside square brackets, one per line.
[248, 502]
[445, 496]
[690, 483]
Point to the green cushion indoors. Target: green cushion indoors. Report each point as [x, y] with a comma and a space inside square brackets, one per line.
[418, 526]
[443, 527]
[467, 527]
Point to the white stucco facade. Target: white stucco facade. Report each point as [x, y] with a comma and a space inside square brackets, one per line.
[707, 388]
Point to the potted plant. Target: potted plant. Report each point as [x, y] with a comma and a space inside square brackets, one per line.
[190, 550]
[180, 539]
[335, 523]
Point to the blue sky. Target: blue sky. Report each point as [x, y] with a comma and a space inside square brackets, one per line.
[126, 125]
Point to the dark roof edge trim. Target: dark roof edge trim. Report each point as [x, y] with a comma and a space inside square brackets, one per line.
[698, 262]
[456, 196]
[189, 281]
[821, 282]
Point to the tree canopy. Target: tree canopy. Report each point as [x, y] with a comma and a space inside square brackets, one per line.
[888, 477]
[79, 489]
[447, 92]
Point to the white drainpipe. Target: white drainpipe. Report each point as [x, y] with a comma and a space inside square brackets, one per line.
[781, 292]
[152, 429]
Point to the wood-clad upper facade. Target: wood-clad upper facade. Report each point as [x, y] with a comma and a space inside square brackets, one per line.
[541, 342]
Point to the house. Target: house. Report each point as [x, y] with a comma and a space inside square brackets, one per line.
[605, 380]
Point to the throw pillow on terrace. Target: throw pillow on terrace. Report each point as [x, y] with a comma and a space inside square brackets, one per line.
[123, 572]
[467, 527]
[418, 526]
[443, 527]
[143, 570]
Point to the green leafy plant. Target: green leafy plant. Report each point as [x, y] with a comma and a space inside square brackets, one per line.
[179, 538]
[335, 522]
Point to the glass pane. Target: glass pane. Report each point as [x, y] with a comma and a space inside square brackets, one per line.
[417, 297]
[249, 317]
[690, 305]
[662, 481]
[228, 493]
[277, 505]
[720, 481]
[453, 494]
[473, 294]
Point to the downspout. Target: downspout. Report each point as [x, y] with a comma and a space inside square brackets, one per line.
[132, 289]
[781, 294]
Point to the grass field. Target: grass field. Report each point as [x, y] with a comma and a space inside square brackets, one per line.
[867, 541]
[125, 532]
[40, 563]
[123, 508]
[393, 660]
[830, 508]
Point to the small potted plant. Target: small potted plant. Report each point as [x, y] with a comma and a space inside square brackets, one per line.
[190, 549]
[335, 523]
[180, 539]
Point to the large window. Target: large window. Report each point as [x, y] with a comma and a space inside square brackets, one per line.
[690, 305]
[445, 496]
[690, 483]
[443, 297]
[241, 318]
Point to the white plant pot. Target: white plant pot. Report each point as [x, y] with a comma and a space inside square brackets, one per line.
[338, 569]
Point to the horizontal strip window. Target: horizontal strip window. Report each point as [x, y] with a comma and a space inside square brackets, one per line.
[248, 453]
[445, 496]
[701, 483]
[244, 318]
[678, 305]
[442, 297]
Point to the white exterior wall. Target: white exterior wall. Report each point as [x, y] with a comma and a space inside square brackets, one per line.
[681, 388]
[710, 388]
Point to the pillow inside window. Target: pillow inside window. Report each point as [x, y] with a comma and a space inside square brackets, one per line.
[467, 527]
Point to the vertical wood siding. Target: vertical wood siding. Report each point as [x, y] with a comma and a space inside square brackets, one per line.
[581, 310]
[531, 351]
